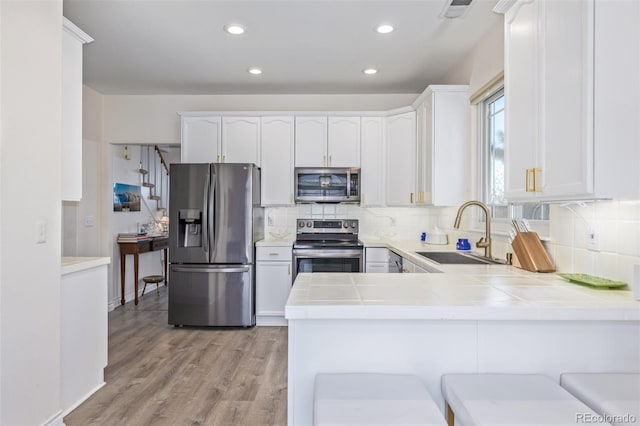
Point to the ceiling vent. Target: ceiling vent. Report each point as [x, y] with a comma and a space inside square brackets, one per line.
[455, 8]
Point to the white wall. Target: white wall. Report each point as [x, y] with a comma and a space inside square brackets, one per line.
[483, 63]
[30, 141]
[79, 238]
[126, 171]
[153, 119]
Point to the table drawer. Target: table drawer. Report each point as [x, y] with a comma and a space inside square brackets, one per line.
[273, 253]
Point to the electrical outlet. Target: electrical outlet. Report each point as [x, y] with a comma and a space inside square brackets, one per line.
[89, 221]
[592, 242]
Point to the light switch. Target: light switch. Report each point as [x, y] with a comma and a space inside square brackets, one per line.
[41, 230]
[89, 221]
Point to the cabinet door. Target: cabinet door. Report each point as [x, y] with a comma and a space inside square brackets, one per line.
[201, 138]
[344, 142]
[241, 140]
[447, 142]
[372, 170]
[71, 117]
[277, 161]
[521, 97]
[311, 142]
[273, 284]
[567, 46]
[424, 151]
[401, 159]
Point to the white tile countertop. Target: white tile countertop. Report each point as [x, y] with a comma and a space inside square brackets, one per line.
[460, 292]
[70, 265]
[274, 243]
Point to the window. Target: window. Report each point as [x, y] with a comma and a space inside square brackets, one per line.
[492, 167]
[494, 155]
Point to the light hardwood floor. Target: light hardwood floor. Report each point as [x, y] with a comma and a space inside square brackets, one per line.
[162, 375]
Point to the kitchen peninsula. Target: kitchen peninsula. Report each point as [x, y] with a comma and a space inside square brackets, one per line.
[83, 328]
[466, 319]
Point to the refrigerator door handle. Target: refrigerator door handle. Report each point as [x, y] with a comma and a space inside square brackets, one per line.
[211, 230]
[205, 215]
[209, 270]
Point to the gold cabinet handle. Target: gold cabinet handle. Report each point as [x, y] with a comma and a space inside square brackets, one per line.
[362, 199]
[527, 181]
[273, 254]
[329, 160]
[224, 159]
[289, 269]
[531, 180]
[411, 197]
[290, 198]
[536, 188]
[218, 159]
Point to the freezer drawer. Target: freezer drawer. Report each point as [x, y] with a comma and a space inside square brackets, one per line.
[205, 295]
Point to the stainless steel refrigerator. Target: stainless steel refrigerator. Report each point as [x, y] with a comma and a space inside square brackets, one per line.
[214, 220]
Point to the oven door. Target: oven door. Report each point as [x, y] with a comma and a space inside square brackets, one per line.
[326, 260]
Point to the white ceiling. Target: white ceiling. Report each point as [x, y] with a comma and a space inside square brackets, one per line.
[303, 46]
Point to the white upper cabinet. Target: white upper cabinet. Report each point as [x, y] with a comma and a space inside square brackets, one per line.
[214, 139]
[201, 139]
[311, 142]
[277, 161]
[241, 140]
[400, 172]
[72, 40]
[372, 162]
[521, 93]
[332, 142]
[442, 146]
[572, 76]
[343, 146]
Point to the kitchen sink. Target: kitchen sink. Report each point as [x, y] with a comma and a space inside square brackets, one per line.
[455, 258]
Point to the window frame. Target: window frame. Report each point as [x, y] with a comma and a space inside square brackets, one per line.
[500, 226]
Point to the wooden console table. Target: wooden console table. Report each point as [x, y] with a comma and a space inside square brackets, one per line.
[154, 244]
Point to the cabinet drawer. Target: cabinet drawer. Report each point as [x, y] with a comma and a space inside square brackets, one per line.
[273, 253]
[377, 254]
[377, 267]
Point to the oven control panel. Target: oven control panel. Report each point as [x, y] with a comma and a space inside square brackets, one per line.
[332, 226]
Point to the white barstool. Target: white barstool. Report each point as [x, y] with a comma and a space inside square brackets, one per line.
[509, 399]
[373, 399]
[615, 396]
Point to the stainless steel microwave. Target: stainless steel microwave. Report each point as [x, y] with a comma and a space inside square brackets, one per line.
[327, 185]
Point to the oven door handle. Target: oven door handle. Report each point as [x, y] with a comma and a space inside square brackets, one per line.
[317, 254]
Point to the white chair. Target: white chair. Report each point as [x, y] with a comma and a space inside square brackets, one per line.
[615, 396]
[510, 399]
[373, 399]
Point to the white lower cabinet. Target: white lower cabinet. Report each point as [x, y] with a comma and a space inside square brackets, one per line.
[273, 284]
[412, 268]
[376, 259]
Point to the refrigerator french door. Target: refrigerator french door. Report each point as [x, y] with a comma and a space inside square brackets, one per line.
[215, 219]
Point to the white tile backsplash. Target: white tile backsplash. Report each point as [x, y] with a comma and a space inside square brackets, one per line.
[617, 226]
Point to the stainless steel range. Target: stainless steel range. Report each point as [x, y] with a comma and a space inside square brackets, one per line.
[327, 246]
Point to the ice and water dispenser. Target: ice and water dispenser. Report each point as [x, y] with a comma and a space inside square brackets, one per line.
[190, 228]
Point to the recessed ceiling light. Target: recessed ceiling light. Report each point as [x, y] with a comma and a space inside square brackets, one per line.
[370, 71]
[234, 29]
[255, 71]
[384, 29]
